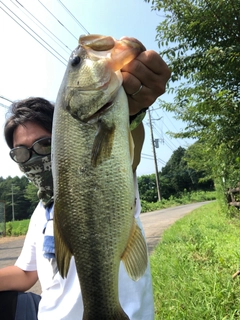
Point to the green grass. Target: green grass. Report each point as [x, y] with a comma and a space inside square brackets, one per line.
[193, 265]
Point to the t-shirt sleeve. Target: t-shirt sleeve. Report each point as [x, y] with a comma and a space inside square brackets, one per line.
[27, 259]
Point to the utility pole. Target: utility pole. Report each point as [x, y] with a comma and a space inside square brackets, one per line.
[155, 158]
[13, 216]
[2, 218]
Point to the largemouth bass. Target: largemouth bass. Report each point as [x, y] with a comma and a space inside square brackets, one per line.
[93, 180]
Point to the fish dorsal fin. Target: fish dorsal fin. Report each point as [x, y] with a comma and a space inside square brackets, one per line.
[131, 146]
[102, 145]
[135, 256]
[62, 252]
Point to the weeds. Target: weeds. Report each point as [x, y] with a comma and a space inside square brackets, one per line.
[193, 265]
[17, 228]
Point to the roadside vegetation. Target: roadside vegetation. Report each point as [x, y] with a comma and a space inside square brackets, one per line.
[17, 228]
[192, 267]
[184, 198]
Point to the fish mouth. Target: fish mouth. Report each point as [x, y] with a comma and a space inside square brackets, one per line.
[100, 111]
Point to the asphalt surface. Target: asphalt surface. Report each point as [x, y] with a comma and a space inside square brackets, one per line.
[154, 224]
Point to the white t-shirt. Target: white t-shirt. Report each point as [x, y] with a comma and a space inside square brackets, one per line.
[61, 298]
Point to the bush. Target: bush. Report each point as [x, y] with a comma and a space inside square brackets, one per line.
[186, 197]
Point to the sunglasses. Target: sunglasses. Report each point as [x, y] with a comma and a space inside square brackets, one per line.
[22, 154]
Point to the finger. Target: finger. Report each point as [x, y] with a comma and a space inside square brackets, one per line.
[130, 83]
[143, 99]
[150, 70]
[154, 62]
[134, 40]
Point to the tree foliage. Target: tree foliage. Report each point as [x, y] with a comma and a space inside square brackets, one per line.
[175, 178]
[21, 193]
[200, 40]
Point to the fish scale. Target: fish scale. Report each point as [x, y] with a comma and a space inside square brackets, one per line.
[94, 190]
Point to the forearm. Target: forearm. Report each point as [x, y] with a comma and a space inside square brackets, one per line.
[14, 278]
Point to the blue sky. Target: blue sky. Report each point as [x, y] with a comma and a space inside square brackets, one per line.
[28, 69]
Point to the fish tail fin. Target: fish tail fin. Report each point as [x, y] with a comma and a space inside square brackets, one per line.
[62, 253]
[135, 256]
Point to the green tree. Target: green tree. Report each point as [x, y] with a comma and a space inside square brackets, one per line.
[147, 188]
[175, 178]
[177, 171]
[180, 176]
[31, 195]
[13, 191]
[200, 40]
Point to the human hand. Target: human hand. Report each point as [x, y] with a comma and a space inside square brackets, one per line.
[149, 71]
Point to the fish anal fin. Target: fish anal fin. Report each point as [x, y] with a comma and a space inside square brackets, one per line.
[62, 252]
[135, 256]
[102, 145]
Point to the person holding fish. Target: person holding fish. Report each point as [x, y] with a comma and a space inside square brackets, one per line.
[87, 250]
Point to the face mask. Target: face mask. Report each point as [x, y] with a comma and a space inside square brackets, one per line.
[38, 171]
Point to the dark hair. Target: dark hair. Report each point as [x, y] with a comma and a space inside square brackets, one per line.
[37, 110]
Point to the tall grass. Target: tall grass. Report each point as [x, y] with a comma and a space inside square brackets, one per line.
[192, 267]
[17, 228]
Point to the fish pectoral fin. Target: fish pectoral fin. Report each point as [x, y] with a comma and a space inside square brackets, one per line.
[62, 253]
[135, 256]
[102, 145]
[131, 146]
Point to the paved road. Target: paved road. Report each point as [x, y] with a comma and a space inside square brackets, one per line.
[154, 224]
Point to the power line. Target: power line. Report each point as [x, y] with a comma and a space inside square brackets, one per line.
[173, 146]
[169, 120]
[2, 97]
[70, 13]
[31, 34]
[161, 161]
[3, 105]
[163, 134]
[165, 114]
[58, 20]
[29, 13]
[147, 156]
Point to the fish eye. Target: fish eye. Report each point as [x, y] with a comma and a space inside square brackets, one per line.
[75, 61]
